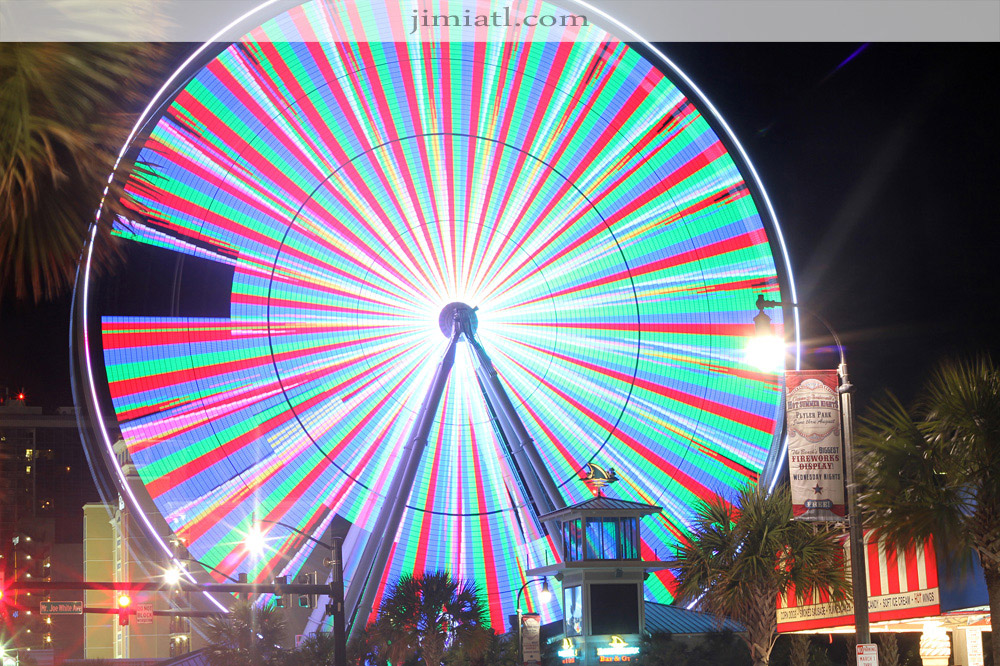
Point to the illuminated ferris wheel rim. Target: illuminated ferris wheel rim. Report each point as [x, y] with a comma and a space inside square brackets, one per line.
[163, 98]
[175, 83]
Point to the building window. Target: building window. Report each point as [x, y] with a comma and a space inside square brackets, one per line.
[628, 541]
[573, 540]
[614, 609]
[612, 539]
[602, 538]
[573, 609]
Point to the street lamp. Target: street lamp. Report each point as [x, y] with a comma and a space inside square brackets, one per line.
[172, 576]
[859, 583]
[545, 597]
[254, 540]
[765, 350]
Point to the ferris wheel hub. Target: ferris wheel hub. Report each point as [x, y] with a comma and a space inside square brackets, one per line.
[458, 313]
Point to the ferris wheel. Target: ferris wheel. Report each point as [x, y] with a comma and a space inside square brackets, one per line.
[330, 211]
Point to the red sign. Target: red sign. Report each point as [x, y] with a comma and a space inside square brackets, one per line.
[902, 584]
[867, 654]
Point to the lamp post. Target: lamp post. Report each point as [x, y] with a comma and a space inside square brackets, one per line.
[545, 597]
[845, 390]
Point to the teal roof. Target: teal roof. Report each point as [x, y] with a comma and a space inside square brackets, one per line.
[663, 619]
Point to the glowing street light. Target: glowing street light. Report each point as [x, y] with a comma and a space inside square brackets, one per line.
[254, 541]
[546, 594]
[765, 353]
[172, 576]
[765, 350]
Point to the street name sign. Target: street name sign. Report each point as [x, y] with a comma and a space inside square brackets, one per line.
[60, 608]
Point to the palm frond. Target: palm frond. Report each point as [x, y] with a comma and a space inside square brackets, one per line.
[65, 112]
[930, 470]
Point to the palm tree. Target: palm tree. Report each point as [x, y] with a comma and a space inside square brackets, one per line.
[424, 616]
[798, 652]
[888, 649]
[64, 115]
[315, 650]
[934, 470]
[741, 556]
[493, 650]
[248, 635]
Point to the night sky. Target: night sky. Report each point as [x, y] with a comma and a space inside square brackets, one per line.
[882, 169]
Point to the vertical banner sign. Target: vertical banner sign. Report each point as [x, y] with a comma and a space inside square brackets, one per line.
[867, 654]
[531, 625]
[815, 452]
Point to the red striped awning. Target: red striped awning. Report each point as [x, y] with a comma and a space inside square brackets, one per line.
[902, 585]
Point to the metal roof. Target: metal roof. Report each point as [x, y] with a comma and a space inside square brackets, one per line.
[604, 504]
[661, 618]
[199, 658]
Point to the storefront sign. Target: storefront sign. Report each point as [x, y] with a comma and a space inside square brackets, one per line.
[902, 584]
[815, 454]
[617, 651]
[567, 653]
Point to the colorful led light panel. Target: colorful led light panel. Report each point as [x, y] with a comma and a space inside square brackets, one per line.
[338, 194]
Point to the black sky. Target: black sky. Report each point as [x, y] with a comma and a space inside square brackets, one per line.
[884, 177]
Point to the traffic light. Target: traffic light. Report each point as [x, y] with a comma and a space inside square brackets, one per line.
[279, 591]
[123, 613]
[307, 600]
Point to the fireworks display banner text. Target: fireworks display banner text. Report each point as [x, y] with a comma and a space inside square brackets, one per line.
[815, 449]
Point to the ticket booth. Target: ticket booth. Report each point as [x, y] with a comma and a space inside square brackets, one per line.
[602, 576]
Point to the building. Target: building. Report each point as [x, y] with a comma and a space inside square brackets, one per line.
[117, 550]
[602, 576]
[44, 483]
[114, 552]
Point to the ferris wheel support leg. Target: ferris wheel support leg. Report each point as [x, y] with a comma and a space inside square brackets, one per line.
[371, 566]
[542, 500]
[519, 434]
